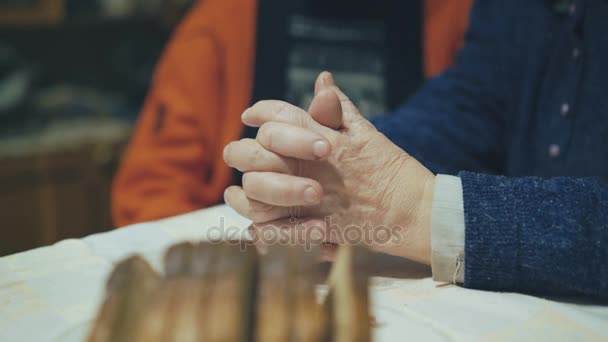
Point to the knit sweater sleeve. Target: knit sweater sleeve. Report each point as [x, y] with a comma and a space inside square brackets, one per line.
[458, 120]
[543, 236]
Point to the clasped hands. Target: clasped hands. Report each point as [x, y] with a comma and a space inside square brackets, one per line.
[328, 175]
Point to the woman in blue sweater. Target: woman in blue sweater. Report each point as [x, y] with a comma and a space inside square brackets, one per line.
[504, 182]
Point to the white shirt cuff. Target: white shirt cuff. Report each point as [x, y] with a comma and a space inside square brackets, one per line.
[447, 230]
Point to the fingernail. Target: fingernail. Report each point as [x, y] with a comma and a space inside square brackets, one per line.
[320, 149]
[225, 154]
[311, 196]
[328, 79]
[226, 197]
[244, 115]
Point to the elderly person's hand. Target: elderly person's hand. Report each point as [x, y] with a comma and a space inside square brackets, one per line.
[329, 170]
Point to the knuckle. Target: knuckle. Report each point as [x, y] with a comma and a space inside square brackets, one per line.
[301, 120]
[287, 113]
[255, 159]
[264, 208]
[274, 107]
[260, 212]
[281, 110]
[250, 213]
[247, 182]
[294, 191]
[292, 165]
[265, 135]
[263, 103]
[253, 215]
[250, 184]
[258, 216]
[292, 115]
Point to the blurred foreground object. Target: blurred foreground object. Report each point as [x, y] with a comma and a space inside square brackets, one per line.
[226, 292]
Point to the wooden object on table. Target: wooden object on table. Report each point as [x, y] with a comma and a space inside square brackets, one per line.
[231, 304]
[273, 304]
[226, 292]
[128, 290]
[348, 298]
[287, 307]
[173, 312]
[179, 260]
[207, 295]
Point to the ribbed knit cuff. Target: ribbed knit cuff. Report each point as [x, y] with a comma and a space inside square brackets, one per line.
[491, 236]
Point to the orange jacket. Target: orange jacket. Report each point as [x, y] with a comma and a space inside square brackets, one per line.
[203, 82]
[445, 23]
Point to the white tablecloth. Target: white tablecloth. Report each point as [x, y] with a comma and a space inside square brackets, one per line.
[53, 293]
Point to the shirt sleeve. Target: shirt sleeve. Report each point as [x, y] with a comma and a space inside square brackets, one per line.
[448, 230]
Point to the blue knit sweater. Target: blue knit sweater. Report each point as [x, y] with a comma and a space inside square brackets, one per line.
[527, 99]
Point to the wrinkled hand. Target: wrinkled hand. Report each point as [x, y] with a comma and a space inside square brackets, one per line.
[333, 171]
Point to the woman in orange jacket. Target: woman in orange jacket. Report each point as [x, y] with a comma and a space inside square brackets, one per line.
[203, 82]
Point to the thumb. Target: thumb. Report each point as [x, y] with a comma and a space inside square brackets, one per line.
[350, 113]
[322, 81]
[326, 108]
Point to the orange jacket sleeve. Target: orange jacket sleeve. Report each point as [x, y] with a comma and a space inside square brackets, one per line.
[167, 162]
[445, 23]
[173, 164]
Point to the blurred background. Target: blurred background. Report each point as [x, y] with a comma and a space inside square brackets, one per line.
[73, 75]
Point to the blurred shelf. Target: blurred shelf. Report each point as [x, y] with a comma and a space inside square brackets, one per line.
[55, 184]
[87, 23]
[47, 12]
[60, 14]
[64, 135]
